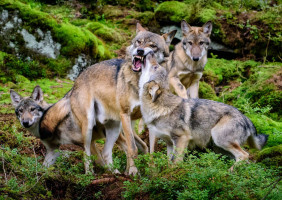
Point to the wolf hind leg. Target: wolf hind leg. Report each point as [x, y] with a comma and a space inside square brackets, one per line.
[95, 151]
[87, 131]
[112, 134]
[224, 137]
[141, 145]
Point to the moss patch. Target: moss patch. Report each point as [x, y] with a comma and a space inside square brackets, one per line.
[172, 11]
[271, 156]
[207, 92]
[104, 32]
[258, 90]
[74, 40]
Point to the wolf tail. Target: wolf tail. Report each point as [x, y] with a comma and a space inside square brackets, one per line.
[257, 140]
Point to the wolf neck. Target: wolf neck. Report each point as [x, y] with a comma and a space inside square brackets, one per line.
[130, 77]
[163, 105]
[34, 130]
[188, 63]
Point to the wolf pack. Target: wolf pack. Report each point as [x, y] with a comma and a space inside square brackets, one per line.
[152, 84]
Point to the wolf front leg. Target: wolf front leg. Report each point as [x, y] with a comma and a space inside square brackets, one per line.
[130, 142]
[178, 87]
[193, 90]
[181, 143]
[51, 154]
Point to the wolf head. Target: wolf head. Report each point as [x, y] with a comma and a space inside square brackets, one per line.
[153, 76]
[196, 40]
[29, 110]
[146, 39]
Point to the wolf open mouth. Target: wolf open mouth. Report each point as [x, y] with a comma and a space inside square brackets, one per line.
[138, 61]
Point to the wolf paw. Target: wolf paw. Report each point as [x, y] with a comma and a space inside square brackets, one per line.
[133, 171]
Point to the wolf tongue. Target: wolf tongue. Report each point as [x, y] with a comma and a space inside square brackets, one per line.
[138, 64]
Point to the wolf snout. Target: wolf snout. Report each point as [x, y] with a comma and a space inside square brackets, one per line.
[26, 124]
[196, 58]
[140, 51]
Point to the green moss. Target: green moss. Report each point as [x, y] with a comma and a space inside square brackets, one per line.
[146, 17]
[172, 11]
[206, 14]
[11, 67]
[259, 90]
[221, 71]
[104, 32]
[2, 55]
[271, 156]
[206, 92]
[74, 40]
[21, 79]
[266, 125]
[112, 12]
[53, 89]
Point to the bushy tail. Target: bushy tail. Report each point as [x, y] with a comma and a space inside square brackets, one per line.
[257, 141]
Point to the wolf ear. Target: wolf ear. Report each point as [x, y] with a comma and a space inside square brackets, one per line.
[168, 37]
[139, 28]
[154, 90]
[185, 27]
[37, 94]
[15, 97]
[207, 28]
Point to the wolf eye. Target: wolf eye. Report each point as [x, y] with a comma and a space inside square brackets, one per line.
[155, 67]
[190, 43]
[20, 110]
[138, 42]
[201, 43]
[153, 46]
[32, 109]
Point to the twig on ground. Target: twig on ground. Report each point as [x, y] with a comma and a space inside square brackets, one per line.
[110, 180]
[3, 160]
[33, 185]
[35, 164]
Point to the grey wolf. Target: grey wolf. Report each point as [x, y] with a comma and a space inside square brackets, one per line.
[186, 123]
[186, 63]
[55, 124]
[108, 93]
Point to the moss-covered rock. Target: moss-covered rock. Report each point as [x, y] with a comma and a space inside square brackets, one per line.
[268, 126]
[104, 32]
[207, 92]
[172, 12]
[26, 38]
[111, 12]
[222, 72]
[271, 156]
[259, 89]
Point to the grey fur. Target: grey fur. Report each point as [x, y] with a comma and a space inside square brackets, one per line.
[192, 122]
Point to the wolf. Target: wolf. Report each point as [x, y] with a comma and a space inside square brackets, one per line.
[55, 124]
[186, 63]
[108, 93]
[191, 122]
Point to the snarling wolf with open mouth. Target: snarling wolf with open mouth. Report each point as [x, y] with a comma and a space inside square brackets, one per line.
[108, 93]
[55, 124]
[191, 122]
[186, 63]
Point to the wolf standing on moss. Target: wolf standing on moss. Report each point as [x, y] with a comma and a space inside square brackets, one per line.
[191, 122]
[108, 92]
[186, 63]
[56, 125]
